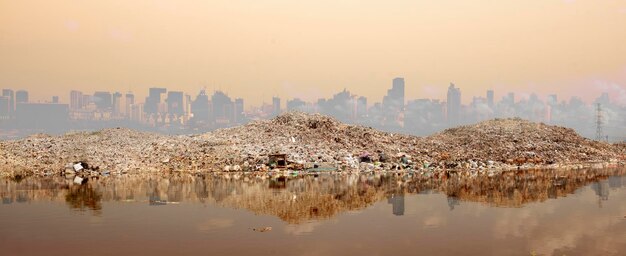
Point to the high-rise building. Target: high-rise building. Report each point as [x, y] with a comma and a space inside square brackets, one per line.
[511, 98]
[393, 103]
[136, 113]
[222, 108]
[117, 104]
[55, 99]
[130, 100]
[11, 98]
[4, 107]
[295, 104]
[21, 96]
[394, 100]
[200, 108]
[103, 100]
[151, 106]
[175, 104]
[238, 110]
[275, 106]
[454, 105]
[361, 107]
[490, 99]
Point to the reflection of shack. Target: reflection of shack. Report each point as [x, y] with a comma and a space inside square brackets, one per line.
[279, 183]
[278, 161]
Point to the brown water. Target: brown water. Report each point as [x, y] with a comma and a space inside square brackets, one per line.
[518, 213]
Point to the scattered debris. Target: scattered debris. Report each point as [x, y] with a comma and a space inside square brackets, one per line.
[263, 229]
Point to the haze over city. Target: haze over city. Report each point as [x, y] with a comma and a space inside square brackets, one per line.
[310, 50]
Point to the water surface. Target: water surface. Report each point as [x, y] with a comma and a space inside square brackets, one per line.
[516, 213]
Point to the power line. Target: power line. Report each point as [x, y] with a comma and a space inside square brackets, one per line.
[599, 122]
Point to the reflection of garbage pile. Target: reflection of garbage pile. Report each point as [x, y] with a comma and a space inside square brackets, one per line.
[313, 142]
[305, 197]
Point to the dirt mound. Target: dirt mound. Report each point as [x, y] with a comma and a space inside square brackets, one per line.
[519, 141]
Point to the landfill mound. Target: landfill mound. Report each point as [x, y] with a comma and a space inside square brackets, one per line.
[517, 141]
[309, 141]
[307, 138]
[115, 149]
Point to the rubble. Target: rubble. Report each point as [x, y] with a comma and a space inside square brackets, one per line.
[309, 142]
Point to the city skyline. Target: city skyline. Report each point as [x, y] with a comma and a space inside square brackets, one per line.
[169, 110]
[310, 49]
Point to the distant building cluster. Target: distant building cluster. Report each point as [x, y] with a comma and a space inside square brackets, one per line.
[177, 112]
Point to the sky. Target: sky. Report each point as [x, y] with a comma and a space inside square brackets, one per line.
[310, 49]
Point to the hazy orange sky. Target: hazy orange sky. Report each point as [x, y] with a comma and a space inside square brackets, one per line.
[256, 49]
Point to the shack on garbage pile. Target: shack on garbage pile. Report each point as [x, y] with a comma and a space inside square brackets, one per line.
[278, 161]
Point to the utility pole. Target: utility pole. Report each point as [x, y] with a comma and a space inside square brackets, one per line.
[599, 133]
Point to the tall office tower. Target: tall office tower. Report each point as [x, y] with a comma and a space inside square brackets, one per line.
[200, 108]
[151, 106]
[490, 99]
[295, 104]
[130, 100]
[103, 100]
[222, 107]
[361, 107]
[11, 98]
[275, 106]
[136, 113]
[394, 100]
[116, 102]
[393, 103]
[4, 107]
[175, 104]
[238, 110]
[21, 96]
[187, 107]
[511, 98]
[454, 105]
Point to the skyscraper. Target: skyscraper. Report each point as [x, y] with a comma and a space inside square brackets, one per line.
[200, 108]
[4, 107]
[361, 107]
[222, 107]
[130, 100]
[275, 106]
[117, 104]
[393, 102]
[295, 104]
[21, 96]
[490, 101]
[151, 106]
[454, 105]
[11, 98]
[175, 103]
[103, 100]
[238, 110]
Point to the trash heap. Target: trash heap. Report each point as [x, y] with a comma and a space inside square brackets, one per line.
[311, 142]
[518, 142]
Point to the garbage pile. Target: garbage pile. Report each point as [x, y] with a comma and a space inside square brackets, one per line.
[518, 142]
[310, 142]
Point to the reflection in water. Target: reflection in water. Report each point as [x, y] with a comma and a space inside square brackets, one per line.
[397, 202]
[83, 197]
[296, 199]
